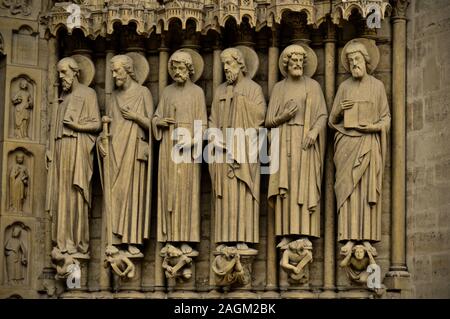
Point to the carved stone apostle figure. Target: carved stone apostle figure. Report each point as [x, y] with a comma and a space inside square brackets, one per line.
[297, 108]
[237, 114]
[23, 104]
[16, 256]
[181, 104]
[18, 184]
[77, 120]
[129, 152]
[361, 118]
[238, 104]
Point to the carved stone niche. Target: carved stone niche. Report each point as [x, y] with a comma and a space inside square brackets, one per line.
[25, 46]
[22, 103]
[16, 255]
[19, 182]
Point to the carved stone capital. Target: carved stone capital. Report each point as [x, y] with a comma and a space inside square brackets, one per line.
[399, 8]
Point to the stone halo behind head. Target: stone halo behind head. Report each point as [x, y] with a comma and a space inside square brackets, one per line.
[87, 69]
[251, 59]
[140, 66]
[371, 48]
[309, 67]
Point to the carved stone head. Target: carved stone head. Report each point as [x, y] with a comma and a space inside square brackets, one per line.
[359, 251]
[233, 64]
[358, 58]
[122, 68]
[69, 71]
[294, 59]
[182, 67]
[20, 158]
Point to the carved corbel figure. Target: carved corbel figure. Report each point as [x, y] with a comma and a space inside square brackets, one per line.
[177, 262]
[296, 256]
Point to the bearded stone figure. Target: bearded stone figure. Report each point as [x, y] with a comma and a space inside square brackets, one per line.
[128, 154]
[297, 108]
[361, 118]
[237, 114]
[178, 123]
[77, 120]
[238, 104]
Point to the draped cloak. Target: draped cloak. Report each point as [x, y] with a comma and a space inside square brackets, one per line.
[236, 185]
[73, 168]
[294, 189]
[130, 153]
[179, 183]
[359, 159]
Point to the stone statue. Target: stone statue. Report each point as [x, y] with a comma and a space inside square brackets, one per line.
[18, 184]
[129, 152]
[228, 268]
[361, 118]
[297, 108]
[120, 263]
[23, 103]
[177, 262]
[238, 104]
[63, 263]
[296, 256]
[77, 120]
[181, 104]
[16, 256]
[356, 260]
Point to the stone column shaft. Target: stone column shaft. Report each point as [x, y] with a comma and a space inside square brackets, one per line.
[271, 263]
[398, 232]
[329, 267]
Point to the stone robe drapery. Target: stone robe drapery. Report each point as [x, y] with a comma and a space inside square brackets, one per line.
[73, 168]
[130, 152]
[23, 105]
[179, 183]
[359, 159]
[15, 253]
[18, 181]
[294, 190]
[236, 185]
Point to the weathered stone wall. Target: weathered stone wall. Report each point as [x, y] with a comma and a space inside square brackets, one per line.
[428, 148]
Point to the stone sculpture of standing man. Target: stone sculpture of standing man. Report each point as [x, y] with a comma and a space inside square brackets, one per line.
[297, 108]
[18, 184]
[77, 120]
[238, 105]
[23, 104]
[129, 152]
[181, 104]
[361, 118]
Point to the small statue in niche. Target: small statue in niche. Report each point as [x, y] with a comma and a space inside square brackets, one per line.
[177, 262]
[18, 184]
[23, 104]
[16, 257]
[296, 256]
[357, 257]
